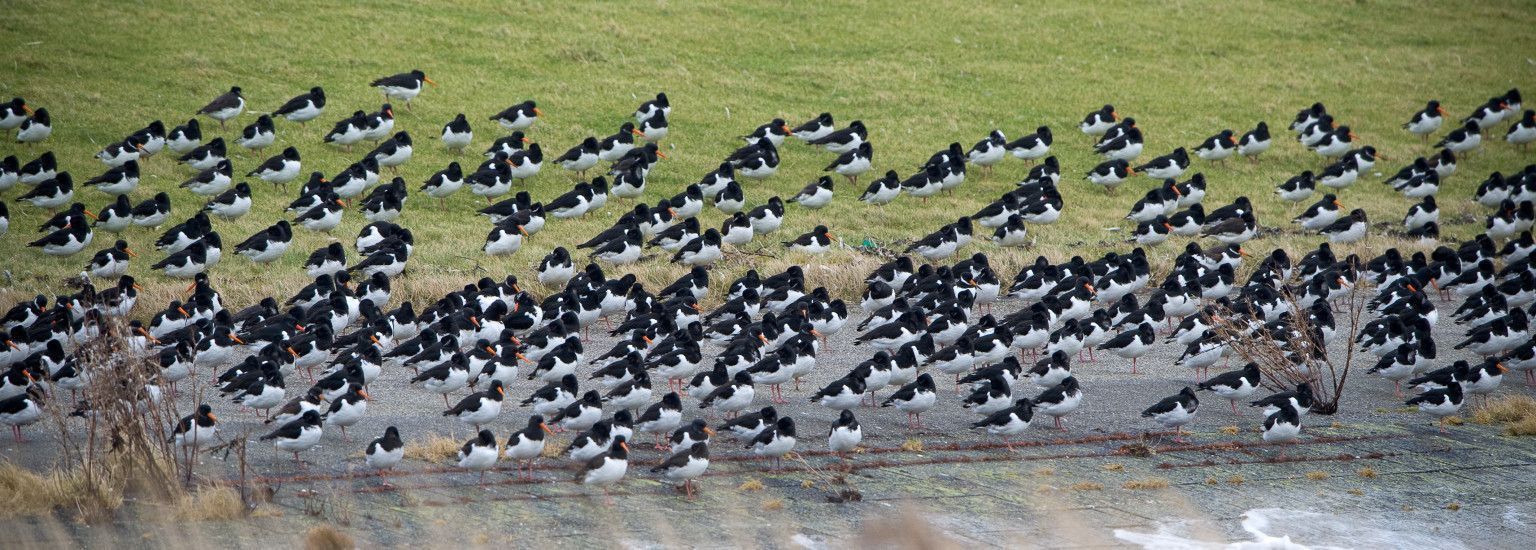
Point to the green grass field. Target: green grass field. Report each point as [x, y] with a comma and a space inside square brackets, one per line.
[920, 75]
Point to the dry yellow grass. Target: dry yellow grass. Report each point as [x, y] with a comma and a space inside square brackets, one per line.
[1454, 506]
[1211, 481]
[435, 448]
[1045, 472]
[27, 493]
[912, 445]
[1367, 473]
[773, 505]
[1317, 475]
[750, 485]
[211, 504]
[1230, 430]
[1087, 486]
[326, 537]
[1114, 467]
[1516, 412]
[1356, 492]
[1151, 483]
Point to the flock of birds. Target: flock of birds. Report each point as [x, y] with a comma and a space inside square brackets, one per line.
[924, 319]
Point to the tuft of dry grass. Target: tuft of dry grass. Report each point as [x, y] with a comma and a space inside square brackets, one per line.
[1454, 506]
[1236, 480]
[1231, 430]
[1357, 492]
[750, 485]
[326, 537]
[1113, 467]
[553, 447]
[1211, 481]
[1045, 472]
[1367, 473]
[1151, 483]
[435, 448]
[1516, 412]
[807, 484]
[1455, 420]
[27, 493]
[773, 505]
[211, 504]
[1317, 475]
[912, 445]
[1087, 486]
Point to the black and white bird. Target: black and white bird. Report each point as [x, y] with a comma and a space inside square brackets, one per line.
[1234, 385]
[196, 430]
[385, 452]
[845, 434]
[1255, 142]
[607, 468]
[844, 140]
[685, 466]
[518, 117]
[257, 135]
[13, 113]
[581, 157]
[35, 128]
[303, 107]
[479, 454]
[227, 106]
[1426, 121]
[1175, 411]
[1100, 121]
[1523, 131]
[658, 105]
[1110, 174]
[853, 164]
[1008, 422]
[120, 180]
[280, 169]
[1031, 147]
[1347, 230]
[297, 435]
[403, 86]
[1218, 147]
[1469, 136]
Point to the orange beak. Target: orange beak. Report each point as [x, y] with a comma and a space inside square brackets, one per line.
[647, 339]
[625, 445]
[709, 430]
[91, 215]
[1440, 110]
[545, 427]
[637, 133]
[374, 339]
[390, 112]
[475, 321]
[763, 338]
[342, 203]
[1352, 136]
[1500, 367]
[1089, 287]
[131, 255]
[523, 231]
[1242, 252]
[661, 154]
[502, 391]
[429, 81]
[816, 333]
[12, 345]
[183, 312]
[1336, 203]
[489, 350]
[139, 146]
[26, 108]
[1168, 227]
[364, 393]
[1114, 115]
[138, 287]
[212, 417]
[522, 358]
[784, 127]
[1130, 171]
[537, 112]
[236, 339]
[295, 354]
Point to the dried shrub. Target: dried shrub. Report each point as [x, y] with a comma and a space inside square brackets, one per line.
[1151, 483]
[326, 537]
